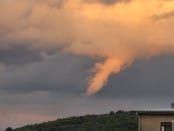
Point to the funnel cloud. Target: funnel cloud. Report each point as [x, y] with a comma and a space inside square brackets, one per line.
[119, 53]
[118, 34]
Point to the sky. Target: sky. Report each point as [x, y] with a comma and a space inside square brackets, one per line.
[61, 58]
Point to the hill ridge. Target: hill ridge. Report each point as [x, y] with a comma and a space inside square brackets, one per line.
[114, 121]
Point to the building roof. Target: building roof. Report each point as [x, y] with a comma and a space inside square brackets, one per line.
[156, 112]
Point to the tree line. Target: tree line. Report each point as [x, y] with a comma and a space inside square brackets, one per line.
[114, 121]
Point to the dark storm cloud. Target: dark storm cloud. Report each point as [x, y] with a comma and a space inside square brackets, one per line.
[54, 73]
[19, 55]
[146, 79]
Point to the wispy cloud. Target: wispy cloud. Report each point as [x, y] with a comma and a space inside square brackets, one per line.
[163, 16]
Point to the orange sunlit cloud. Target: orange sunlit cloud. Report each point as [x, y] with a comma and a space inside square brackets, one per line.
[120, 32]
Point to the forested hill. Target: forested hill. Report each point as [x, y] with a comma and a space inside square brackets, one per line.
[114, 121]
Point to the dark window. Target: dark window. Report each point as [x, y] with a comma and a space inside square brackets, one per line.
[166, 126]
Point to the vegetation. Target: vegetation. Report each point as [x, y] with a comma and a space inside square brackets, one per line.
[114, 121]
[9, 129]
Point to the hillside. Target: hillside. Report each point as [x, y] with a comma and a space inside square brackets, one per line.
[114, 121]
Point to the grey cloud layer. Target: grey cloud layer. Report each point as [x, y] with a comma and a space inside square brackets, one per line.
[19, 55]
[66, 73]
[58, 72]
[149, 79]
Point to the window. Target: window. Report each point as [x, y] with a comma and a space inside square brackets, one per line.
[166, 126]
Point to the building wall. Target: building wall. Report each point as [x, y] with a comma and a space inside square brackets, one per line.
[153, 123]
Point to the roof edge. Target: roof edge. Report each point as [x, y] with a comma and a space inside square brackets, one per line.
[155, 112]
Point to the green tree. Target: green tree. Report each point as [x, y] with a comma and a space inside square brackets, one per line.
[9, 129]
